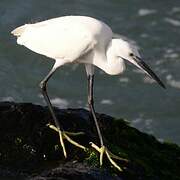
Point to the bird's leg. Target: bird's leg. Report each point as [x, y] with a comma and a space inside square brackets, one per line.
[102, 149]
[62, 134]
[91, 106]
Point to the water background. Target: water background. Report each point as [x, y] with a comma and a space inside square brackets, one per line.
[153, 24]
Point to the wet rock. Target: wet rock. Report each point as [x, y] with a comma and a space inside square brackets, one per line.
[75, 171]
[29, 149]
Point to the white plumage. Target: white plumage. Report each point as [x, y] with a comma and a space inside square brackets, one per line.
[69, 38]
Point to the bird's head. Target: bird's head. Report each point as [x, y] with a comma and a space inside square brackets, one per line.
[127, 51]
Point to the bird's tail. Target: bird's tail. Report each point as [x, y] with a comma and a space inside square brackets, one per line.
[19, 31]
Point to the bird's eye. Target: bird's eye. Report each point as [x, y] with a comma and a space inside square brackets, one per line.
[131, 54]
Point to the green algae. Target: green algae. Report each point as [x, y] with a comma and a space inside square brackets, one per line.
[92, 158]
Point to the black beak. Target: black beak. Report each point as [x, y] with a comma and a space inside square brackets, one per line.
[147, 69]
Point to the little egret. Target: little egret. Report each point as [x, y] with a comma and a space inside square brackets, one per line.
[83, 40]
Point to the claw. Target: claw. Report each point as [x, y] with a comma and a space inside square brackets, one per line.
[101, 155]
[116, 157]
[74, 133]
[95, 147]
[64, 135]
[113, 162]
[62, 143]
[52, 127]
[72, 141]
[109, 155]
[66, 132]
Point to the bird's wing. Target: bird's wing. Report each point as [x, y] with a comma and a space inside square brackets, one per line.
[56, 40]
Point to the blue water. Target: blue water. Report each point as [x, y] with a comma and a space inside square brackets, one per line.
[153, 25]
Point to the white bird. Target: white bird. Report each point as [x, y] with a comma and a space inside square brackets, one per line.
[83, 40]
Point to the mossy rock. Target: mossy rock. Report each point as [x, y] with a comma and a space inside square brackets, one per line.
[28, 146]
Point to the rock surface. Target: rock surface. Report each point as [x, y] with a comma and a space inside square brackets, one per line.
[30, 150]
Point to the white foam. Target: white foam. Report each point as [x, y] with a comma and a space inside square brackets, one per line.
[8, 98]
[175, 84]
[172, 82]
[169, 77]
[173, 22]
[59, 102]
[158, 62]
[137, 121]
[124, 80]
[175, 9]
[144, 35]
[169, 50]
[144, 12]
[106, 102]
[171, 55]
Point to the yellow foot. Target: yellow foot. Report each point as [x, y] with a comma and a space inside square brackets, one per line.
[65, 135]
[109, 155]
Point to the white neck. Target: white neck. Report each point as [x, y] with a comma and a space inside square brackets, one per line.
[108, 61]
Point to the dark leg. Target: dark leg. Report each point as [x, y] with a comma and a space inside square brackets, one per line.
[58, 128]
[91, 106]
[43, 86]
[102, 149]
